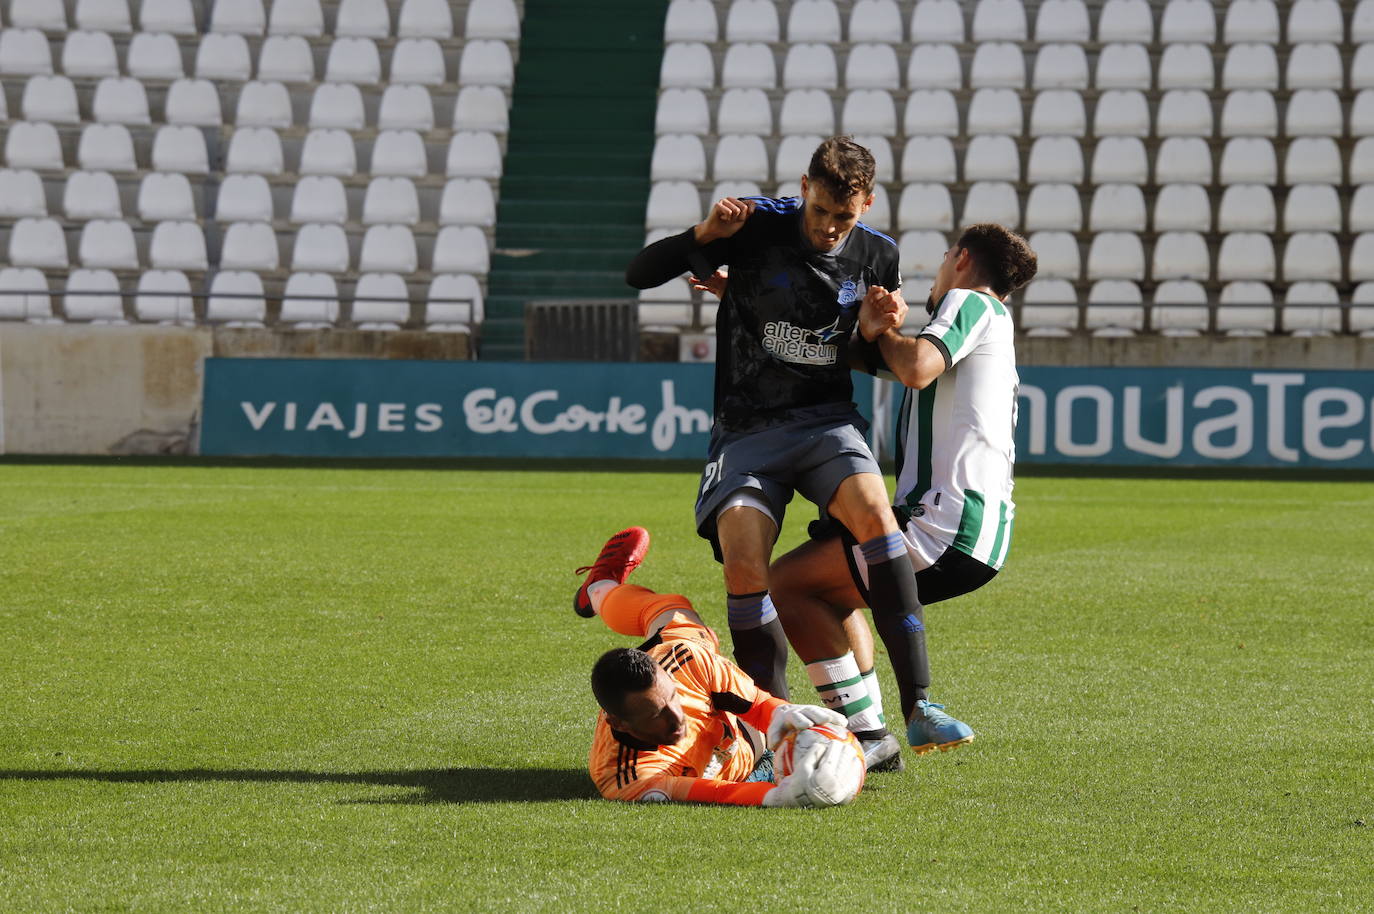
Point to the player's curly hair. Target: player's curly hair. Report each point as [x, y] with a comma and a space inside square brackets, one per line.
[1005, 261]
[620, 671]
[842, 167]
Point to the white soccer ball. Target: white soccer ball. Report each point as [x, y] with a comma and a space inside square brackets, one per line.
[828, 760]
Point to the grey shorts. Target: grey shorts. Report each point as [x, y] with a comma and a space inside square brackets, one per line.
[812, 455]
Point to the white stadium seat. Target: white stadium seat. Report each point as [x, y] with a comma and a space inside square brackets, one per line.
[1315, 20]
[1054, 206]
[493, 19]
[1246, 255]
[337, 105]
[418, 60]
[997, 65]
[1116, 255]
[400, 153]
[1123, 66]
[1361, 262]
[931, 112]
[1361, 208]
[461, 249]
[807, 66]
[1049, 308]
[381, 301]
[391, 201]
[328, 152]
[249, 246]
[1311, 256]
[678, 157]
[752, 20]
[875, 21]
[473, 154]
[744, 111]
[406, 107]
[1057, 253]
[244, 198]
[1121, 112]
[740, 157]
[93, 295]
[1249, 160]
[813, 20]
[454, 302]
[1119, 160]
[1182, 208]
[1247, 208]
[320, 247]
[1249, 112]
[870, 111]
[1362, 21]
[748, 65]
[193, 101]
[363, 19]
[1251, 20]
[921, 252]
[1312, 160]
[50, 98]
[21, 194]
[691, 20]
[120, 100]
[934, 66]
[244, 17]
[152, 55]
[723, 189]
[1362, 113]
[92, 54]
[672, 204]
[1317, 207]
[1055, 159]
[1060, 66]
[287, 59]
[223, 56]
[425, 19]
[319, 198]
[929, 158]
[38, 14]
[24, 52]
[236, 299]
[937, 20]
[1361, 67]
[1058, 112]
[1186, 66]
[1188, 21]
[1311, 321]
[164, 296]
[467, 201]
[24, 295]
[173, 16]
[1250, 66]
[296, 17]
[38, 243]
[165, 196]
[999, 20]
[106, 147]
[1362, 162]
[879, 215]
[686, 65]
[1180, 308]
[870, 66]
[310, 301]
[1117, 207]
[177, 246]
[356, 60]
[991, 157]
[1180, 255]
[91, 195]
[1318, 65]
[1246, 309]
[103, 15]
[991, 201]
[484, 108]
[1062, 20]
[925, 206]
[180, 148]
[1183, 160]
[36, 146]
[1125, 20]
[1313, 112]
[263, 104]
[679, 111]
[1114, 308]
[255, 150]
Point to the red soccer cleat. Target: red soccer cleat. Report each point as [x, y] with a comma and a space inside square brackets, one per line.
[621, 555]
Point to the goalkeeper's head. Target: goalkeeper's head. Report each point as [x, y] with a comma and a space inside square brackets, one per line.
[639, 698]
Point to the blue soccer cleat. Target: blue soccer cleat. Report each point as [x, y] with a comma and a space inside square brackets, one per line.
[931, 728]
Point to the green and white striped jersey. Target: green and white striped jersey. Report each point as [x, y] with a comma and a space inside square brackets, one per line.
[955, 437]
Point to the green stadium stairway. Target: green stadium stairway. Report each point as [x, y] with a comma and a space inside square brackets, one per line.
[571, 212]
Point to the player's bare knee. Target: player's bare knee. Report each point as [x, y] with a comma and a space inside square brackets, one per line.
[745, 574]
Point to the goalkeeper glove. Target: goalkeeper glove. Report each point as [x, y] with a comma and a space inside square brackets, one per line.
[800, 717]
[824, 773]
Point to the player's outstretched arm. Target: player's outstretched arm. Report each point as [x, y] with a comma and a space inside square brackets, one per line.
[915, 362]
[692, 250]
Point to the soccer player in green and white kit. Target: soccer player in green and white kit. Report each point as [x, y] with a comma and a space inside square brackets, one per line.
[954, 481]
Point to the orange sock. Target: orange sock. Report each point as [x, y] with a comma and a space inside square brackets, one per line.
[629, 608]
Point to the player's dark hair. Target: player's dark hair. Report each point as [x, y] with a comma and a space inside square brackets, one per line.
[842, 167]
[620, 671]
[1005, 262]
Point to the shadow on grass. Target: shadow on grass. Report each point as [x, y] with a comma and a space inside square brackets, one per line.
[433, 785]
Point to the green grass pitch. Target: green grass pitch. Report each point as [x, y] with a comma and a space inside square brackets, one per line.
[349, 689]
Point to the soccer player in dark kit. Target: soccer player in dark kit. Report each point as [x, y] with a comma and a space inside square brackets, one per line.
[785, 419]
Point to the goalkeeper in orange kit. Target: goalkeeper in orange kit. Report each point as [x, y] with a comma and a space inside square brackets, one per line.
[678, 721]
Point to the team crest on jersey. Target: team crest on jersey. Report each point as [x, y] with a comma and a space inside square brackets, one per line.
[849, 293]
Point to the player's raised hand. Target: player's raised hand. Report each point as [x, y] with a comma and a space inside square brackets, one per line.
[880, 312]
[727, 216]
[714, 284]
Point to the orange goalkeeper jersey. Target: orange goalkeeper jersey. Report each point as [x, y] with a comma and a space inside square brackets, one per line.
[714, 756]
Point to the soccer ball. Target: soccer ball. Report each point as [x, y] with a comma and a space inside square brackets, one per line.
[828, 759]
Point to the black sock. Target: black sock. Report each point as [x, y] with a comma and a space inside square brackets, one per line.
[760, 643]
[900, 621]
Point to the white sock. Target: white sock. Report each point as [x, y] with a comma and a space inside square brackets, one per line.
[842, 689]
[597, 591]
[875, 693]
